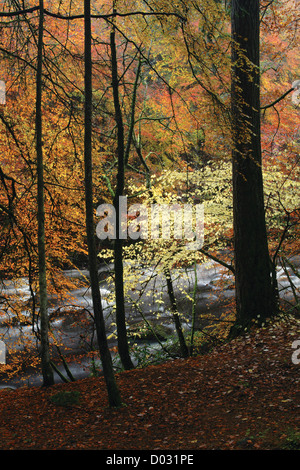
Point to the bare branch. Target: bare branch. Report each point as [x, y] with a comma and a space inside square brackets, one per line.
[9, 14]
[278, 99]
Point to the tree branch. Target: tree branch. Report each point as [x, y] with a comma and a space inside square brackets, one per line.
[112, 15]
[278, 99]
[9, 14]
[218, 260]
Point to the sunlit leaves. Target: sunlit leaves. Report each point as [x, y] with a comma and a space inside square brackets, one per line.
[182, 140]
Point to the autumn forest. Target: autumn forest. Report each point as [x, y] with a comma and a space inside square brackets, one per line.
[109, 106]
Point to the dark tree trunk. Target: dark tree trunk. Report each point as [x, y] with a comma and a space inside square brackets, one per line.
[255, 297]
[112, 388]
[182, 343]
[118, 244]
[47, 371]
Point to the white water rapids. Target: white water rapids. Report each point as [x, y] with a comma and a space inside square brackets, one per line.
[154, 304]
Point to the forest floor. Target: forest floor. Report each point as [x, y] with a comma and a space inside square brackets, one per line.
[244, 395]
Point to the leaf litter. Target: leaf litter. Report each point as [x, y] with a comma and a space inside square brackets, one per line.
[244, 394]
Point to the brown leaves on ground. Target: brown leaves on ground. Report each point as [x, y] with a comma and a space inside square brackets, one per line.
[243, 395]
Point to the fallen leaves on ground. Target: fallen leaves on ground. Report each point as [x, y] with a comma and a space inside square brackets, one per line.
[243, 395]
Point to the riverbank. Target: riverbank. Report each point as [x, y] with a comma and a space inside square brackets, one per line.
[71, 324]
[242, 395]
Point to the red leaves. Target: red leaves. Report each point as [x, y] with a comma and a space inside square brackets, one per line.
[241, 396]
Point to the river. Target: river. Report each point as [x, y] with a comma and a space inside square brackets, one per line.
[70, 320]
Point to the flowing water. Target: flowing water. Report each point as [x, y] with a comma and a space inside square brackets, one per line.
[148, 299]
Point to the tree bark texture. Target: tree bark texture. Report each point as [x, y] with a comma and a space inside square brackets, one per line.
[254, 294]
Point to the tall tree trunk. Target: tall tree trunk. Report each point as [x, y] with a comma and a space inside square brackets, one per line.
[255, 297]
[112, 388]
[118, 244]
[47, 371]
